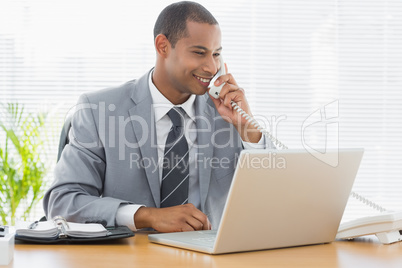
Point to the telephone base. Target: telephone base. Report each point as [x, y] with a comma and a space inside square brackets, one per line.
[385, 226]
[389, 237]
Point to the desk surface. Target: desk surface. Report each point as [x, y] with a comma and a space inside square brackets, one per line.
[138, 252]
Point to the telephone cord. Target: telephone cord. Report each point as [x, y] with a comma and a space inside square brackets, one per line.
[254, 123]
[367, 202]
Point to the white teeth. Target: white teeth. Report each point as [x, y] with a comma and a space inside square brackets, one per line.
[203, 79]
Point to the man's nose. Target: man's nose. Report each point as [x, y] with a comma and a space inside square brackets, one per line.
[211, 65]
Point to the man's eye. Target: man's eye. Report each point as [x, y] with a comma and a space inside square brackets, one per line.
[199, 52]
[217, 54]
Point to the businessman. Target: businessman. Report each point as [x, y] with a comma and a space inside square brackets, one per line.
[157, 152]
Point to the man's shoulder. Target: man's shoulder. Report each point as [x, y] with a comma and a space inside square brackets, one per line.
[108, 94]
[116, 94]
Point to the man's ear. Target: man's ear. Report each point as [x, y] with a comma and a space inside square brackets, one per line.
[162, 45]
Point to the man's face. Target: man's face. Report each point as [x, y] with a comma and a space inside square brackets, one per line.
[195, 59]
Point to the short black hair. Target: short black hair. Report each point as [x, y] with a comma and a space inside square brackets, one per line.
[172, 21]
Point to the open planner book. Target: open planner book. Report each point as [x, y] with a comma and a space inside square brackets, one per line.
[58, 230]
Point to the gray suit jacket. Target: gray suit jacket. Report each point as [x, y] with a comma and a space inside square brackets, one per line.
[112, 156]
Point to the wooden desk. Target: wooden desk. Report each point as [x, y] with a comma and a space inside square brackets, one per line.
[138, 252]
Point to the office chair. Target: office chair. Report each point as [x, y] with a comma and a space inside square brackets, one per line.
[64, 135]
[62, 143]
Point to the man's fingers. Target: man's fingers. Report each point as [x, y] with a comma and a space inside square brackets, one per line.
[226, 78]
[196, 219]
[207, 226]
[235, 96]
[187, 228]
[195, 224]
[203, 219]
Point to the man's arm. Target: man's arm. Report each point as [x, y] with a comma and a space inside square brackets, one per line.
[79, 175]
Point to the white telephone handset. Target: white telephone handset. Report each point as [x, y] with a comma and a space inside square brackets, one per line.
[214, 92]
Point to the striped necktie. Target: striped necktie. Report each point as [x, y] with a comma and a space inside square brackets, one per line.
[175, 174]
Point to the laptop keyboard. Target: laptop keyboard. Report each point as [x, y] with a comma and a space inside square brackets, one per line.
[205, 238]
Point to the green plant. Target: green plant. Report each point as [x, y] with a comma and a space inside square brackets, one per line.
[22, 161]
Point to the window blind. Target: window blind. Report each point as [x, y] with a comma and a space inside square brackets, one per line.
[318, 73]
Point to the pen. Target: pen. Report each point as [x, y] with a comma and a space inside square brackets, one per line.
[33, 225]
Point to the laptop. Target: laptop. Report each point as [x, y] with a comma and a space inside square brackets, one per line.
[277, 199]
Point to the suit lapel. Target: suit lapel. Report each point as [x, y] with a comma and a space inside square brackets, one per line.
[205, 114]
[143, 123]
[142, 115]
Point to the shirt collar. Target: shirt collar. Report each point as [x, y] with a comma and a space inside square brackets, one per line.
[162, 105]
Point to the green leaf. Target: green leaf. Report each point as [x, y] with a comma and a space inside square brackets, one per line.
[21, 166]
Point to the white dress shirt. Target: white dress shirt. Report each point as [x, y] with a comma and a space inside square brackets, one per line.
[161, 106]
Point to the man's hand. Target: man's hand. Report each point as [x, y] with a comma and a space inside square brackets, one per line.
[232, 92]
[172, 219]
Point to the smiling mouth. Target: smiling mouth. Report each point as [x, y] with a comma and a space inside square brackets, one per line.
[203, 80]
